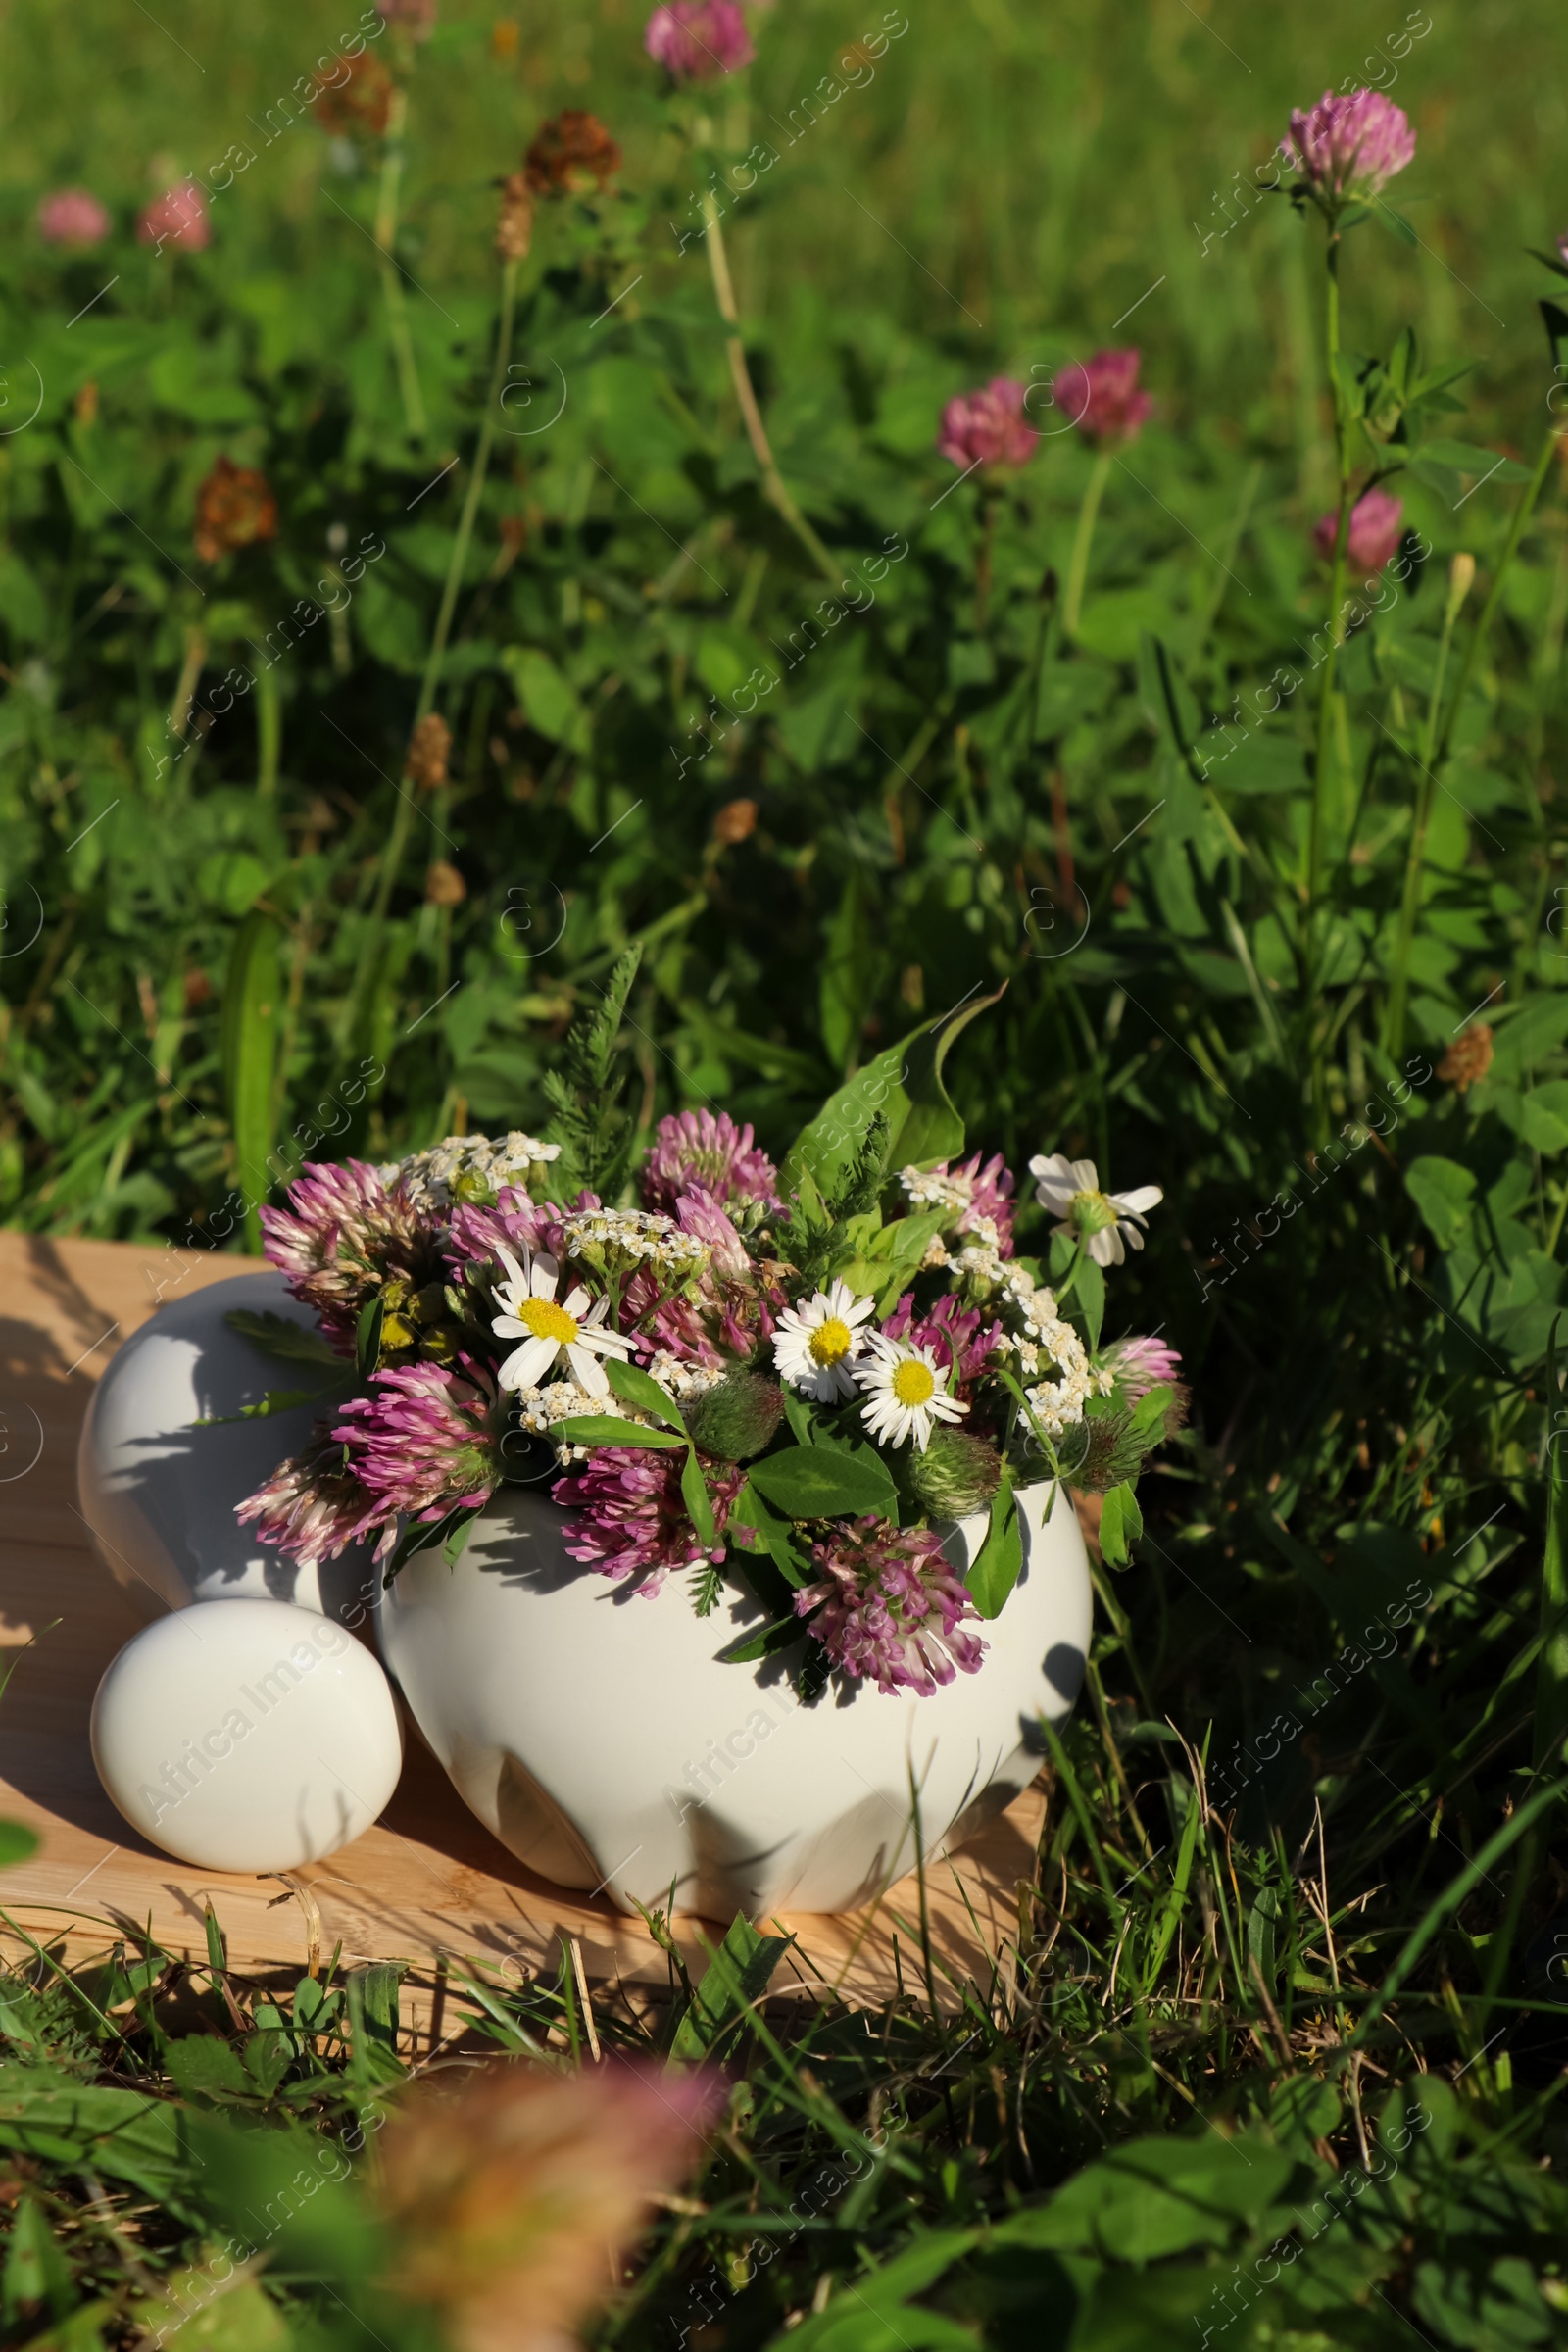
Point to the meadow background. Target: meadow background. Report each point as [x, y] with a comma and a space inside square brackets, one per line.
[1302, 1893]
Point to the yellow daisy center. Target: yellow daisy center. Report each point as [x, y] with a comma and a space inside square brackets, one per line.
[548, 1321]
[913, 1383]
[831, 1341]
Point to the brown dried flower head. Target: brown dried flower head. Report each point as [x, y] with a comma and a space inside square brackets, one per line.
[444, 886]
[428, 748]
[735, 821]
[234, 507]
[571, 155]
[514, 220]
[504, 2200]
[360, 103]
[1468, 1058]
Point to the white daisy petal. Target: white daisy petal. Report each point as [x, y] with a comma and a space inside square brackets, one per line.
[589, 1371]
[1146, 1197]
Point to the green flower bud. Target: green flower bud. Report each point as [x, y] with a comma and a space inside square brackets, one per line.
[737, 1417]
[956, 1474]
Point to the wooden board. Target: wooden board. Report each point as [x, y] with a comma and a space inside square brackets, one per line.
[428, 1883]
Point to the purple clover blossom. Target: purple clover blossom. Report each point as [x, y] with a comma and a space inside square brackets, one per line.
[894, 1607]
[426, 1439]
[1373, 537]
[631, 1521]
[312, 1508]
[953, 1334]
[988, 427]
[72, 217]
[1143, 1364]
[1350, 145]
[1101, 397]
[697, 40]
[695, 1149]
[344, 1231]
[698, 1213]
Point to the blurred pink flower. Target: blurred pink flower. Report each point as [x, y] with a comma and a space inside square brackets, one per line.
[1562, 245]
[894, 1609]
[72, 217]
[1350, 145]
[699, 39]
[988, 428]
[178, 218]
[1374, 531]
[1143, 1364]
[416, 16]
[1100, 396]
[951, 1332]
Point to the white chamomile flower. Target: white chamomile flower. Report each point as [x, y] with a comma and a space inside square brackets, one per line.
[907, 1391]
[549, 1327]
[816, 1346]
[1101, 1220]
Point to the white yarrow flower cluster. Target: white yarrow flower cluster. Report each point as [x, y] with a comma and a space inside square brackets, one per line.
[635, 1237]
[462, 1166]
[540, 1408]
[924, 1189]
[686, 1382]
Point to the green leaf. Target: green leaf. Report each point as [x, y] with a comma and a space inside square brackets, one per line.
[1122, 1523]
[1154, 2197]
[698, 1502]
[1556, 321]
[1089, 1290]
[736, 1977]
[807, 1482]
[368, 1334]
[290, 1341]
[1397, 227]
[450, 1531]
[549, 701]
[1444, 1192]
[845, 984]
[122, 2134]
[275, 1401]
[932, 1129]
[206, 2068]
[604, 1428]
[640, 1390]
[824, 1148]
[252, 1002]
[1551, 1673]
[36, 2271]
[17, 1843]
[993, 1571]
[1460, 457]
[773, 1533]
[765, 1641]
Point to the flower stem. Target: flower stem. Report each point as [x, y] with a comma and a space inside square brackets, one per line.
[402, 818]
[1325, 765]
[1516, 529]
[1083, 540]
[268, 732]
[1415, 861]
[773, 486]
[386, 226]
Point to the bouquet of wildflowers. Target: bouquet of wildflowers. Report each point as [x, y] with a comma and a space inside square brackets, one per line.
[795, 1377]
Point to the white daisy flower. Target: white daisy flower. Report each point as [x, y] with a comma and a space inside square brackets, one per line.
[907, 1391]
[816, 1345]
[1102, 1220]
[550, 1327]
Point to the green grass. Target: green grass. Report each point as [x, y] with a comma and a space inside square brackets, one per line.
[1343, 1617]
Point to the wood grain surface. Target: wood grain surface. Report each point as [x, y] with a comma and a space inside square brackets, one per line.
[428, 1884]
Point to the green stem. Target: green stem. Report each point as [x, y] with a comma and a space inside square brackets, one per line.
[386, 227]
[1516, 529]
[1083, 540]
[268, 732]
[1324, 767]
[402, 818]
[1415, 861]
[773, 486]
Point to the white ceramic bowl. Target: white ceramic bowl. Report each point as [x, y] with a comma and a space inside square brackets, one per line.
[159, 1495]
[601, 1739]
